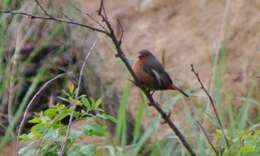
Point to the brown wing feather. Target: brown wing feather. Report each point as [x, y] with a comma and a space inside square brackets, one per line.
[155, 69]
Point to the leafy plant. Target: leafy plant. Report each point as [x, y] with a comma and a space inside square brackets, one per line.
[48, 132]
[244, 143]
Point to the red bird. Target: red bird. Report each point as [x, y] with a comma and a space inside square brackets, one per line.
[150, 72]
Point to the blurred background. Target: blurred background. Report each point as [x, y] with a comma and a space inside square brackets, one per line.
[220, 37]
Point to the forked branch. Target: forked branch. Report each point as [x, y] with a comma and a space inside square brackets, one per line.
[55, 19]
[211, 102]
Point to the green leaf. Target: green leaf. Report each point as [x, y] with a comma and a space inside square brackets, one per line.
[35, 120]
[24, 137]
[51, 112]
[71, 88]
[60, 107]
[63, 114]
[88, 150]
[247, 149]
[98, 103]
[85, 101]
[245, 109]
[28, 150]
[38, 128]
[35, 135]
[107, 117]
[121, 127]
[139, 119]
[94, 130]
[74, 151]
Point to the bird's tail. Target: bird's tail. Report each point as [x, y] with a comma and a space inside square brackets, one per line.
[181, 91]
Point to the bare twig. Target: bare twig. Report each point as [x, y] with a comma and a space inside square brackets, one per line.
[43, 9]
[20, 41]
[83, 67]
[55, 19]
[88, 15]
[207, 137]
[211, 102]
[11, 85]
[73, 107]
[67, 17]
[102, 11]
[121, 30]
[30, 105]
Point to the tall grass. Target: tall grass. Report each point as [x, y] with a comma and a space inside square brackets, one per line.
[121, 129]
[139, 118]
[5, 66]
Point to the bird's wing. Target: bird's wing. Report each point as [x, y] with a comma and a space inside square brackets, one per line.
[157, 77]
[156, 70]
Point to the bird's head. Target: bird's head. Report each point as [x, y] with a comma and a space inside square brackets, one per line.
[144, 54]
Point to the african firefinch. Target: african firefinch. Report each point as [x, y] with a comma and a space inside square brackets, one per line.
[150, 73]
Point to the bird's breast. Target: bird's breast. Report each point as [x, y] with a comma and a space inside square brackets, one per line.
[140, 74]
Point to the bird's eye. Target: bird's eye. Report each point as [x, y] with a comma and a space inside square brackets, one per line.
[142, 56]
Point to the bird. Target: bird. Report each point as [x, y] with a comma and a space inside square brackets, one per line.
[150, 73]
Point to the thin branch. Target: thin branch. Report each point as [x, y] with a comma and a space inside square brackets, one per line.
[121, 29]
[42, 9]
[30, 105]
[207, 137]
[55, 19]
[73, 107]
[49, 15]
[67, 17]
[211, 102]
[88, 15]
[171, 124]
[102, 11]
[83, 67]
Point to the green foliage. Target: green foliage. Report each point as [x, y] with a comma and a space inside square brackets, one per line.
[12, 74]
[46, 135]
[138, 119]
[84, 150]
[6, 3]
[94, 130]
[48, 132]
[244, 143]
[121, 129]
[90, 103]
